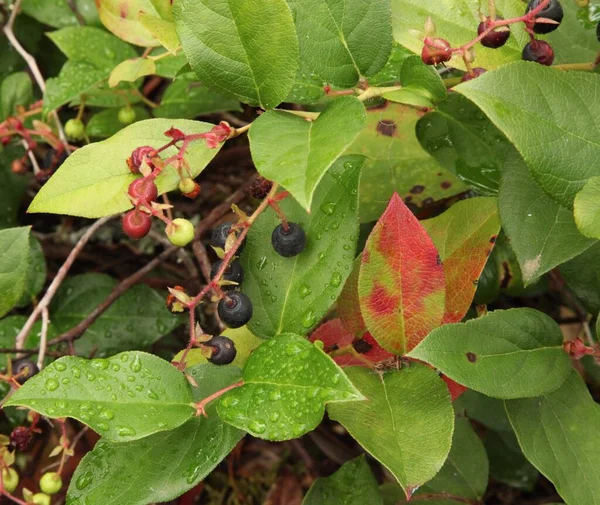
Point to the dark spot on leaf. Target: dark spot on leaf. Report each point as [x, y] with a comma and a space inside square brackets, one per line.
[417, 190]
[507, 277]
[446, 184]
[124, 10]
[475, 282]
[427, 201]
[386, 127]
[493, 239]
[361, 346]
[439, 174]
[471, 357]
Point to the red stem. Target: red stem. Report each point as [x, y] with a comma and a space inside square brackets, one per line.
[201, 406]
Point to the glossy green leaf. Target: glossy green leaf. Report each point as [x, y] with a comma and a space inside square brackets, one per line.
[93, 181]
[352, 484]
[538, 120]
[58, 14]
[406, 422]
[134, 321]
[14, 265]
[287, 382]
[293, 294]
[463, 140]
[582, 275]
[36, 273]
[297, 153]
[512, 353]
[131, 70]
[343, 40]
[163, 30]
[125, 397]
[542, 234]
[395, 162]
[554, 433]
[128, 473]
[587, 209]
[464, 236]
[401, 285]
[106, 123]
[187, 98]
[232, 56]
[16, 90]
[485, 410]
[456, 22]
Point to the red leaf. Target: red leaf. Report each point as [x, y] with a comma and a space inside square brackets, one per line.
[401, 284]
[455, 388]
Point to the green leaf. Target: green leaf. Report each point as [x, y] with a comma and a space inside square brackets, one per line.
[406, 422]
[16, 90]
[296, 153]
[162, 29]
[463, 140]
[554, 433]
[12, 187]
[125, 397]
[343, 40]
[587, 209]
[58, 14]
[542, 234]
[512, 353]
[134, 321]
[582, 275]
[123, 19]
[352, 484]
[456, 22]
[14, 265]
[131, 70]
[485, 410]
[538, 120]
[293, 294]
[395, 162]
[93, 181]
[287, 382]
[36, 273]
[106, 123]
[128, 473]
[187, 98]
[229, 53]
[464, 236]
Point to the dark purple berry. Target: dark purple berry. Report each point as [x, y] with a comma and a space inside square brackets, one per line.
[24, 369]
[290, 242]
[361, 346]
[260, 188]
[496, 38]
[234, 273]
[235, 310]
[539, 51]
[223, 350]
[553, 11]
[220, 234]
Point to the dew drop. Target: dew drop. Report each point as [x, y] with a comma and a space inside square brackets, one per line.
[336, 279]
[136, 364]
[107, 415]
[304, 291]
[328, 208]
[261, 263]
[61, 367]
[51, 385]
[309, 319]
[257, 426]
[125, 431]
[100, 364]
[84, 481]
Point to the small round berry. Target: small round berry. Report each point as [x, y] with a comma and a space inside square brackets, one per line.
[235, 310]
[290, 242]
[223, 350]
[180, 232]
[260, 188]
[20, 438]
[539, 51]
[24, 369]
[496, 38]
[361, 346]
[51, 483]
[187, 185]
[136, 224]
[126, 115]
[233, 273]
[10, 477]
[553, 11]
[75, 129]
[143, 190]
[134, 162]
[220, 234]
[475, 72]
[436, 51]
[40, 499]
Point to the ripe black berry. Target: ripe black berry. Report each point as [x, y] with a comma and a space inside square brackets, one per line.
[24, 369]
[234, 273]
[539, 51]
[220, 234]
[223, 350]
[235, 310]
[361, 346]
[496, 38]
[552, 11]
[290, 242]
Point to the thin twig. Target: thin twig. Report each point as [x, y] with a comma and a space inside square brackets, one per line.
[78, 16]
[60, 276]
[34, 163]
[43, 338]
[202, 258]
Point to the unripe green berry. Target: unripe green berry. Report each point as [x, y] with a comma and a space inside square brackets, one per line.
[187, 185]
[75, 129]
[40, 499]
[51, 483]
[126, 115]
[11, 479]
[180, 232]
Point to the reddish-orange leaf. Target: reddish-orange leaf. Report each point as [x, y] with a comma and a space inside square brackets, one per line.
[464, 236]
[348, 305]
[454, 387]
[401, 283]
